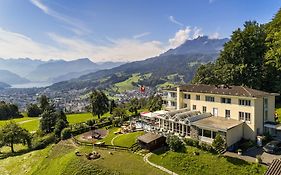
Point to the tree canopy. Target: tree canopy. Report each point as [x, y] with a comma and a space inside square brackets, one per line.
[12, 134]
[8, 111]
[251, 58]
[99, 103]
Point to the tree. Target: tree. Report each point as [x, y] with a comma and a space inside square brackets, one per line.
[99, 103]
[45, 103]
[134, 105]
[241, 62]
[12, 134]
[155, 103]
[218, 143]
[48, 121]
[174, 143]
[112, 105]
[61, 123]
[33, 110]
[8, 111]
[119, 113]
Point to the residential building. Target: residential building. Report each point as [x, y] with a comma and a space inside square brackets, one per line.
[237, 111]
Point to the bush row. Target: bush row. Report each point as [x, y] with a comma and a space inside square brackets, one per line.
[200, 145]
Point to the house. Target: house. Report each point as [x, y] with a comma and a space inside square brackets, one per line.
[202, 111]
[151, 141]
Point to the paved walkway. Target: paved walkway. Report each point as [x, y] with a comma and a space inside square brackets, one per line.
[243, 157]
[112, 140]
[26, 121]
[145, 158]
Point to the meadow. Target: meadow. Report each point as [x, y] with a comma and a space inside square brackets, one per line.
[32, 123]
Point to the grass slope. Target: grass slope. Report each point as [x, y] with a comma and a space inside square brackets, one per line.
[127, 140]
[127, 84]
[60, 159]
[32, 123]
[205, 163]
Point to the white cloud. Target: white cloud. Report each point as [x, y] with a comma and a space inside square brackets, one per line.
[214, 35]
[77, 26]
[197, 32]
[141, 35]
[184, 34]
[180, 37]
[15, 45]
[173, 20]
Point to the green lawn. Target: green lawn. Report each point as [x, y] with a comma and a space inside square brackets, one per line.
[109, 136]
[32, 123]
[204, 163]
[127, 140]
[60, 160]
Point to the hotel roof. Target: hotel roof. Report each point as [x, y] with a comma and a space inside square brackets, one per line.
[217, 123]
[224, 90]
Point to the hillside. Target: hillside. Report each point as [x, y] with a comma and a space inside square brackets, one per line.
[20, 66]
[4, 85]
[11, 78]
[168, 67]
[53, 69]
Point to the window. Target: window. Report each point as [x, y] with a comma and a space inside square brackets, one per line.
[185, 105]
[227, 113]
[186, 96]
[173, 103]
[194, 107]
[207, 133]
[209, 98]
[226, 100]
[245, 102]
[265, 115]
[265, 102]
[197, 97]
[204, 109]
[172, 94]
[241, 115]
[245, 116]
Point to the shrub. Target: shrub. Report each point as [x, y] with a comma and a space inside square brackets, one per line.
[174, 143]
[44, 141]
[206, 147]
[219, 142]
[65, 133]
[188, 141]
[196, 143]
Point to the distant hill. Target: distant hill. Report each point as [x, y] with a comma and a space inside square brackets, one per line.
[4, 85]
[176, 66]
[20, 66]
[11, 78]
[50, 70]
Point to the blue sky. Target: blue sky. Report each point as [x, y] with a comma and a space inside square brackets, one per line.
[123, 30]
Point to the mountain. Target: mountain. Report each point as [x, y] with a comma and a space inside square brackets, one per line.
[20, 66]
[109, 64]
[202, 45]
[4, 85]
[176, 66]
[50, 70]
[11, 78]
